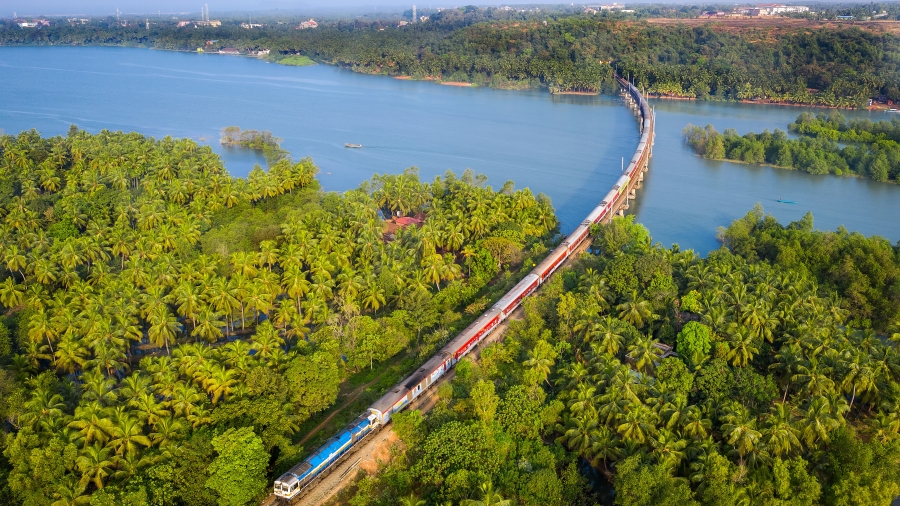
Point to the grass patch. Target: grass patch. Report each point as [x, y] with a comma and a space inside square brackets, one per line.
[244, 226]
[296, 61]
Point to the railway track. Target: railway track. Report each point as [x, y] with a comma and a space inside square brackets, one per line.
[312, 480]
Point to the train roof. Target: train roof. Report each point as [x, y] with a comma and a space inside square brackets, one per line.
[472, 329]
[427, 368]
[514, 292]
[400, 389]
[318, 458]
[388, 400]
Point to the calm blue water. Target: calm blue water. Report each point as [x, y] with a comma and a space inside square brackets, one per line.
[567, 147]
[686, 197]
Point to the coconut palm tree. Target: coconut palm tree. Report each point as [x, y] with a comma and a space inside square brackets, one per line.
[788, 358]
[606, 336]
[208, 326]
[742, 346]
[147, 407]
[41, 327]
[644, 353]
[489, 497]
[859, 376]
[638, 424]
[813, 378]
[71, 355]
[636, 310]
[185, 399]
[92, 424]
[579, 432]
[166, 432]
[373, 296]
[696, 426]
[127, 435]
[780, 436]
[739, 431]
[541, 360]
[816, 421]
[668, 448]
[70, 493]
[412, 500]
[95, 465]
[163, 327]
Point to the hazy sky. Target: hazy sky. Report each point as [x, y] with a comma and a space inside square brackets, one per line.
[49, 7]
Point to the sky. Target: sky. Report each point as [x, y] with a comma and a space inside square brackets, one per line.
[96, 7]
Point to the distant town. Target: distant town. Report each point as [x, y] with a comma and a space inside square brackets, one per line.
[184, 20]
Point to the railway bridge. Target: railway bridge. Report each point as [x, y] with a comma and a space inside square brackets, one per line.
[640, 162]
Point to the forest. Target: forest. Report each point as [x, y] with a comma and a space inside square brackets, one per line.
[166, 329]
[872, 149]
[841, 67]
[783, 389]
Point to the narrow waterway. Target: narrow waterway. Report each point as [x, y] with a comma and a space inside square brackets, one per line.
[686, 197]
[569, 147]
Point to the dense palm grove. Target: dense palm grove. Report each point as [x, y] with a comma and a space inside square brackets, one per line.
[779, 393]
[872, 148]
[563, 52]
[165, 328]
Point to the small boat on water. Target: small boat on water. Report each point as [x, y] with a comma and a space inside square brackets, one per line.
[348, 145]
[786, 201]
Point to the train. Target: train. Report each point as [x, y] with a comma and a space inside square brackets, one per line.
[298, 479]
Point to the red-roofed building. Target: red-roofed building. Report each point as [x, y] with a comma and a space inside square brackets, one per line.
[406, 221]
[392, 225]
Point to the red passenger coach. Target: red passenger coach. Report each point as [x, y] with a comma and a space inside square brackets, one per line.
[553, 260]
[577, 237]
[474, 336]
[511, 300]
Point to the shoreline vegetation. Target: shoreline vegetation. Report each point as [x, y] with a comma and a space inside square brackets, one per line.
[294, 61]
[831, 66]
[873, 149]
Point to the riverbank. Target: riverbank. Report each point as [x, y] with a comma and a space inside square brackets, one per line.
[294, 61]
[586, 93]
[790, 169]
[564, 147]
[757, 102]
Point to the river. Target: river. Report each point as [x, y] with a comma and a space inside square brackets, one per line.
[569, 147]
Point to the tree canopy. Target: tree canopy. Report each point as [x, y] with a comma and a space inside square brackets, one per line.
[780, 392]
[556, 49]
[159, 315]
